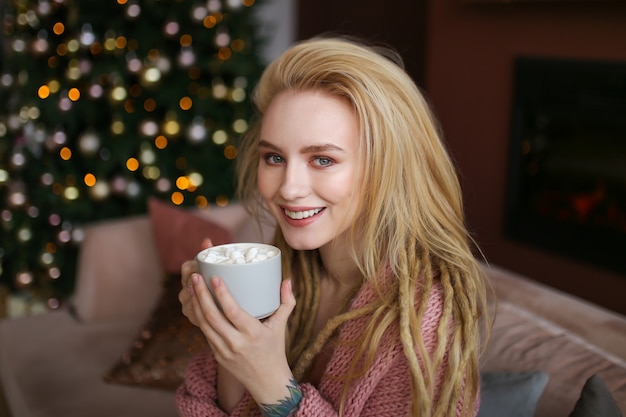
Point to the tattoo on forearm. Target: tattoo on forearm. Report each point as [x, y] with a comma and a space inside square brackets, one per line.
[287, 406]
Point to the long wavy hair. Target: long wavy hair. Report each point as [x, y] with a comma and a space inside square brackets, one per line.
[410, 229]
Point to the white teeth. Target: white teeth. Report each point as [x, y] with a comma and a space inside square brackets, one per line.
[298, 215]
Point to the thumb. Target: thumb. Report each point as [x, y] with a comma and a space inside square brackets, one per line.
[287, 303]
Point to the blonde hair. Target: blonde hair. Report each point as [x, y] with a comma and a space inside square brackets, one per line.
[411, 228]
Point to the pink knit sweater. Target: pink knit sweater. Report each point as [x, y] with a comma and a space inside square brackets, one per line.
[384, 391]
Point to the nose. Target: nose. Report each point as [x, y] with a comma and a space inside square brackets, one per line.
[296, 182]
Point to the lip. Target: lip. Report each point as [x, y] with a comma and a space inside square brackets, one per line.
[301, 222]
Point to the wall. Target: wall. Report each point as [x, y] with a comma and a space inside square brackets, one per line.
[469, 62]
[400, 24]
[277, 20]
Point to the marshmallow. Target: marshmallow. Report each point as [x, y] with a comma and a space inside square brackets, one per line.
[234, 254]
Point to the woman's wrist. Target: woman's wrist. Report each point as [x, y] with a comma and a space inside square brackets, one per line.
[286, 406]
[229, 390]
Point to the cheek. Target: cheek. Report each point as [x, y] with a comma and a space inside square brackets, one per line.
[265, 184]
[341, 190]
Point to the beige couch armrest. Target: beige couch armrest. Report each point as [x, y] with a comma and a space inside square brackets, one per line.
[118, 273]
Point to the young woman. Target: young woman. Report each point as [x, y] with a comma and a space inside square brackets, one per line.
[383, 303]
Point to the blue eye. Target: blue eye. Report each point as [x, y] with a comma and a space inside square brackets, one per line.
[273, 159]
[323, 162]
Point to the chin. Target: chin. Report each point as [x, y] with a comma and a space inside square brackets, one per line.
[301, 243]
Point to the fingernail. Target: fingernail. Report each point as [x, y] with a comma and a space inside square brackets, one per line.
[215, 281]
[195, 278]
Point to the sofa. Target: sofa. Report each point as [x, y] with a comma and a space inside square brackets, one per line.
[119, 346]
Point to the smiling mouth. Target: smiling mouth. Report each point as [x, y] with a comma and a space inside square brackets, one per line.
[299, 215]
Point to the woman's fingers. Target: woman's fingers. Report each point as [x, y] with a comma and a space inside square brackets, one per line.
[236, 316]
[186, 269]
[287, 304]
[204, 307]
[206, 243]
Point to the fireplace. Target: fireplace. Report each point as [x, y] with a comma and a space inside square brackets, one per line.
[566, 180]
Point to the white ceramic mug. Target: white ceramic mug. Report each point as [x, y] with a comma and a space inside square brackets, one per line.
[254, 282]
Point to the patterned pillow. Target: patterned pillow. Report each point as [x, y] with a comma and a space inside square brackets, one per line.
[158, 357]
[159, 354]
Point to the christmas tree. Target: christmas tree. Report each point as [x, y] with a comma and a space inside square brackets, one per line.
[106, 103]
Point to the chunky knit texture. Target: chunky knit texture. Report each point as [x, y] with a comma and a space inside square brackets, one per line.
[383, 391]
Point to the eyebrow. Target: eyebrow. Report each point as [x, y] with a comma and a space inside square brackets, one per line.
[325, 147]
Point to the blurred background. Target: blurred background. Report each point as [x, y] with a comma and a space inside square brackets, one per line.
[104, 104]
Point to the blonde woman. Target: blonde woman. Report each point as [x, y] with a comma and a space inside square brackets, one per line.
[383, 300]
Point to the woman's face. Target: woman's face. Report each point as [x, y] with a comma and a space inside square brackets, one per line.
[309, 174]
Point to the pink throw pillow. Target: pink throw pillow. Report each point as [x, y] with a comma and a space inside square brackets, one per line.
[178, 233]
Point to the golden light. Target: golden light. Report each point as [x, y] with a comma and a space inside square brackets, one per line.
[62, 50]
[221, 200]
[177, 198]
[149, 105]
[237, 45]
[90, 180]
[160, 142]
[129, 106]
[185, 103]
[132, 164]
[185, 40]
[121, 42]
[182, 183]
[43, 92]
[209, 21]
[65, 153]
[58, 28]
[73, 94]
[51, 247]
[152, 173]
[230, 152]
[54, 86]
[248, 3]
[110, 44]
[118, 127]
[201, 201]
[224, 53]
[172, 127]
[95, 48]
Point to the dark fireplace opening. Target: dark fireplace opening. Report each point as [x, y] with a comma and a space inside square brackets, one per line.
[566, 181]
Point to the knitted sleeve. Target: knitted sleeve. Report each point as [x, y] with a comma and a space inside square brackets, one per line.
[197, 395]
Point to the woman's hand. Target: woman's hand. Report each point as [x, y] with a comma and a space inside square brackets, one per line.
[251, 351]
[185, 296]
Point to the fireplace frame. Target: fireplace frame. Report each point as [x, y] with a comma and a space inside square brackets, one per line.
[548, 93]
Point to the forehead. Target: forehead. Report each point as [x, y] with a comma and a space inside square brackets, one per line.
[310, 116]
